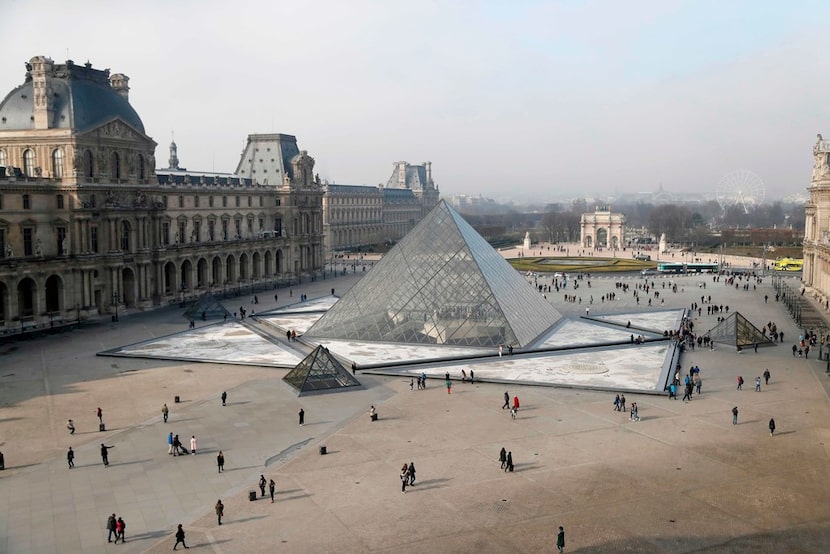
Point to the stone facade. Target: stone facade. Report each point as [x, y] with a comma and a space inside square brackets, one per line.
[602, 229]
[88, 226]
[357, 216]
[816, 272]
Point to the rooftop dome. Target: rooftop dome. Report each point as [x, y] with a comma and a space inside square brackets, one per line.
[82, 98]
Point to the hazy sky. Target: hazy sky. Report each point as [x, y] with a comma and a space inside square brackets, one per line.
[511, 99]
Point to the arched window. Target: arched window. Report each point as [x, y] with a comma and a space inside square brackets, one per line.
[29, 162]
[2, 157]
[115, 165]
[89, 165]
[141, 173]
[57, 163]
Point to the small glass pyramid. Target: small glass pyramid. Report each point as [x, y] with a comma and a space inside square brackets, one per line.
[736, 329]
[318, 372]
[206, 307]
[441, 284]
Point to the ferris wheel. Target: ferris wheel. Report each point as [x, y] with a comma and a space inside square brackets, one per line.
[741, 188]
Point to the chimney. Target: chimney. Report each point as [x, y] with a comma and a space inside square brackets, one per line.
[402, 175]
[428, 165]
[121, 84]
[41, 70]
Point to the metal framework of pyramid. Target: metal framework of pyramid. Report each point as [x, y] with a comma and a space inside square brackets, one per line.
[320, 372]
[737, 330]
[207, 305]
[441, 284]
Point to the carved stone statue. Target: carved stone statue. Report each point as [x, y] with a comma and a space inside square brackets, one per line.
[64, 247]
[38, 248]
[821, 160]
[9, 251]
[303, 166]
[77, 160]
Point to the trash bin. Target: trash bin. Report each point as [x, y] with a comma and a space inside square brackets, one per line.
[177, 399]
[251, 495]
[322, 450]
[102, 427]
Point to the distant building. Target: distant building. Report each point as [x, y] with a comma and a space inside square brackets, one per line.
[817, 225]
[602, 229]
[356, 215]
[88, 225]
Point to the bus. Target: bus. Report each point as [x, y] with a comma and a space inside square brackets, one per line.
[789, 264]
[677, 267]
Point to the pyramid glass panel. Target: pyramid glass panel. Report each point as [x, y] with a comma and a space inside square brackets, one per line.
[206, 307]
[320, 371]
[736, 329]
[441, 284]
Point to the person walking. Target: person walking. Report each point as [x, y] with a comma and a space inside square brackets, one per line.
[506, 400]
[301, 415]
[70, 457]
[472, 376]
[766, 376]
[771, 426]
[516, 403]
[224, 397]
[735, 415]
[698, 382]
[560, 540]
[104, 454]
[404, 478]
[509, 465]
[111, 528]
[170, 443]
[193, 445]
[622, 402]
[411, 473]
[758, 384]
[272, 488]
[120, 526]
[740, 382]
[220, 510]
[503, 457]
[449, 386]
[100, 414]
[71, 426]
[165, 412]
[220, 462]
[180, 537]
[687, 392]
[262, 484]
[617, 403]
[513, 413]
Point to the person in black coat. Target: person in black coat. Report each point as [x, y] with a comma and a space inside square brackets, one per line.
[509, 466]
[180, 537]
[503, 457]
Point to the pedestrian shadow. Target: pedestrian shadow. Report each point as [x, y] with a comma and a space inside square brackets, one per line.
[243, 520]
[520, 416]
[430, 484]
[784, 433]
[295, 497]
[28, 465]
[239, 468]
[171, 421]
[289, 491]
[131, 463]
[518, 468]
[5, 419]
[307, 424]
[386, 418]
[241, 402]
[149, 535]
[206, 544]
[749, 421]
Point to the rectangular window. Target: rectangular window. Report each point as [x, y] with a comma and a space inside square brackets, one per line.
[211, 230]
[2, 244]
[27, 203]
[278, 202]
[60, 201]
[278, 226]
[165, 233]
[61, 238]
[261, 223]
[250, 227]
[224, 229]
[181, 201]
[93, 239]
[210, 201]
[196, 201]
[180, 238]
[250, 201]
[224, 201]
[197, 231]
[238, 230]
[27, 241]
[261, 202]
[238, 201]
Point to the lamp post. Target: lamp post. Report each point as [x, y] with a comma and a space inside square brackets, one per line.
[115, 303]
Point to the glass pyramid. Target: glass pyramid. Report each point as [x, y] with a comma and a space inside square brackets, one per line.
[441, 284]
[320, 371]
[737, 330]
[206, 305]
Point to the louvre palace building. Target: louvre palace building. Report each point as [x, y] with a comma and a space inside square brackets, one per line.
[89, 225]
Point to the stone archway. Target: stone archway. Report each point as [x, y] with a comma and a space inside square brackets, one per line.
[128, 284]
[186, 276]
[26, 291]
[169, 278]
[269, 261]
[602, 237]
[243, 266]
[201, 273]
[589, 242]
[54, 293]
[230, 269]
[4, 302]
[279, 260]
[256, 271]
[216, 272]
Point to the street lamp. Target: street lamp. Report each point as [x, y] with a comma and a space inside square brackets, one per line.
[115, 303]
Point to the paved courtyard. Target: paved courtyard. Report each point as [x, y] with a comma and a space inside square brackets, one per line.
[682, 479]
